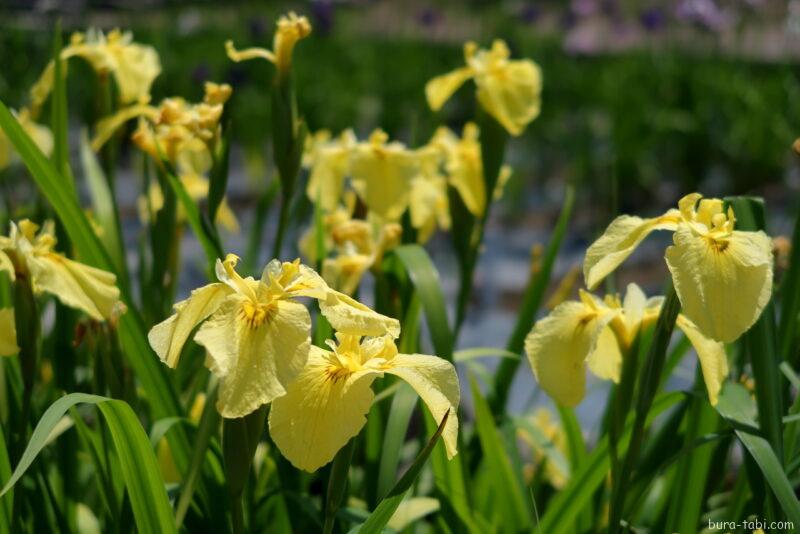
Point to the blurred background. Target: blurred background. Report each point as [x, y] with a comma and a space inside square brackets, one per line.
[643, 102]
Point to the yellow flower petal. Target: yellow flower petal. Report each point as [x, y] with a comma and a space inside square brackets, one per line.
[137, 67]
[712, 356]
[255, 364]
[511, 94]
[557, 348]
[320, 412]
[436, 382]
[344, 272]
[168, 337]
[441, 88]
[349, 316]
[381, 173]
[8, 333]
[724, 284]
[77, 285]
[107, 126]
[621, 237]
[248, 53]
[326, 181]
[6, 264]
[605, 361]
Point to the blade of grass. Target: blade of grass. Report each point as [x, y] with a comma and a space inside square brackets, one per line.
[513, 511]
[425, 278]
[58, 112]
[378, 519]
[735, 406]
[402, 407]
[531, 301]
[563, 509]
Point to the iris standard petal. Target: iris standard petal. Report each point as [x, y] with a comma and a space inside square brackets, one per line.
[436, 382]
[80, 286]
[511, 94]
[255, 363]
[381, 175]
[8, 333]
[320, 412]
[168, 337]
[712, 356]
[441, 88]
[557, 348]
[723, 285]
[619, 240]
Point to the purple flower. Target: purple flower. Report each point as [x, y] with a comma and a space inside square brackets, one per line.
[652, 19]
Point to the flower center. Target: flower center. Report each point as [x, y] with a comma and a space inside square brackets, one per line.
[256, 313]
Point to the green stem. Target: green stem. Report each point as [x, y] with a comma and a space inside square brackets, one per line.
[649, 380]
[239, 440]
[337, 484]
[283, 223]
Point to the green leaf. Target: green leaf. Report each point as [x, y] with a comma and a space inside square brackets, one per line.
[510, 494]
[218, 178]
[58, 112]
[531, 301]
[146, 492]
[736, 406]
[564, 508]
[483, 352]
[403, 404]
[380, 517]
[425, 278]
[7, 501]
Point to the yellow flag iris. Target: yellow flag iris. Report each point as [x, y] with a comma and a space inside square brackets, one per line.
[327, 405]
[291, 29]
[429, 206]
[597, 334]
[29, 252]
[133, 66]
[329, 164]
[722, 276]
[381, 172]
[255, 333]
[509, 90]
[186, 135]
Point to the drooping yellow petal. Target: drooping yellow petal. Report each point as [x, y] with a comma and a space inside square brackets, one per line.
[344, 272]
[8, 333]
[255, 362]
[247, 53]
[436, 382]
[168, 337]
[77, 285]
[723, 284]
[620, 239]
[321, 411]
[429, 206]
[712, 356]
[557, 348]
[441, 88]
[107, 126]
[349, 316]
[605, 361]
[511, 94]
[330, 166]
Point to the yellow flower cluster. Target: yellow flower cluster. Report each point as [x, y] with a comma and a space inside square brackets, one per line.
[184, 134]
[257, 338]
[27, 253]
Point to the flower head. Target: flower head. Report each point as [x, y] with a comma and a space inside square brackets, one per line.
[29, 252]
[291, 29]
[598, 334]
[255, 333]
[327, 405]
[509, 90]
[722, 276]
[134, 66]
[329, 163]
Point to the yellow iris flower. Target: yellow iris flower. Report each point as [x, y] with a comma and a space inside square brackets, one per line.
[134, 66]
[38, 133]
[327, 404]
[329, 164]
[429, 206]
[722, 276]
[509, 90]
[186, 134]
[542, 419]
[8, 333]
[381, 173]
[29, 253]
[255, 334]
[291, 29]
[596, 334]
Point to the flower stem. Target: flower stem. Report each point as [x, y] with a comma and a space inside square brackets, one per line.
[337, 484]
[283, 220]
